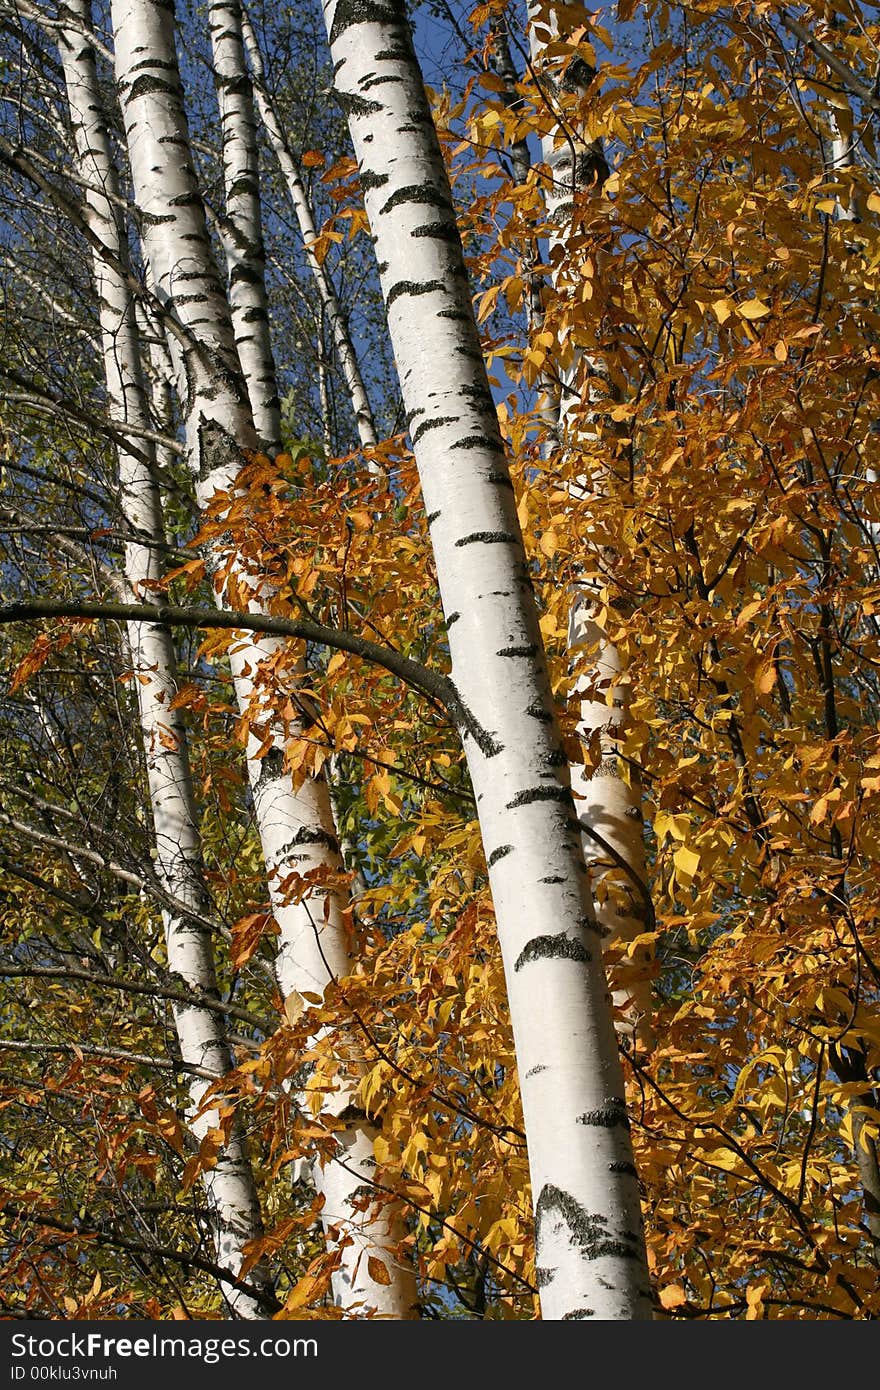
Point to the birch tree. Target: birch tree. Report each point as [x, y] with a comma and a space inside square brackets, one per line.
[296, 828]
[590, 1252]
[229, 1185]
[608, 796]
[243, 231]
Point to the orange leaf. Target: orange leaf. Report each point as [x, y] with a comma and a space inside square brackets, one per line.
[378, 1271]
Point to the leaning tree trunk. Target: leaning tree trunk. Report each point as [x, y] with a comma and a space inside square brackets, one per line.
[608, 798]
[590, 1249]
[229, 1185]
[296, 828]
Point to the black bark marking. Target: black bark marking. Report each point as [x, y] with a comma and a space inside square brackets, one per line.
[440, 231]
[498, 853]
[628, 1168]
[245, 183]
[310, 835]
[350, 12]
[478, 393]
[418, 193]
[436, 424]
[432, 517]
[543, 1276]
[587, 1230]
[216, 447]
[410, 287]
[539, 712]
[453, 618]
[499, 479]
[518, 651]
[363, 1193]
[392, 77]
[609, 1116]
[553, 878]
[370, 180]
[486, 537]
[578, 1315]
[539, 794]
[458, 314]
[559, 947]
[242, 274]
[535, 1070]
[354, 105]
[152, 219]
[271, 766]
[477, 441]
[148, 82]
[314, 835]
[466, 723]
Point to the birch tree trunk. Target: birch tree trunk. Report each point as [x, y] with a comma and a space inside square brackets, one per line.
[243, 230]
[590, 1250]
[229, 1186]
[335, 315]
[608, 799]
[296, 828]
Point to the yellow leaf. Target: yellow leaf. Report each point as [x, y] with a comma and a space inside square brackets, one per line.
[293, 1007]
[487, 303]
[304, 1290]
[755, 1301]
[723, 309]
[874, 202]
[765, 677]
[687, 861]
[753, 309]
[673, 1296]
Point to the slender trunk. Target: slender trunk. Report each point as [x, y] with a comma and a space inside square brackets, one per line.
[296, 828]
[849, 1064]
[608, 798]
[243, 230]
[590, 1250]
[333, 310]
[229, 1186]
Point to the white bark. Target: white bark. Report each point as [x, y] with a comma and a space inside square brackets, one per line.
[336, 318]
[608, 799]
[243, 230]
[296, 829]
[590, 1250]
[229, 1186]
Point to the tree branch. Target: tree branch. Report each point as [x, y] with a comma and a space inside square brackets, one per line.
[427, 682]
